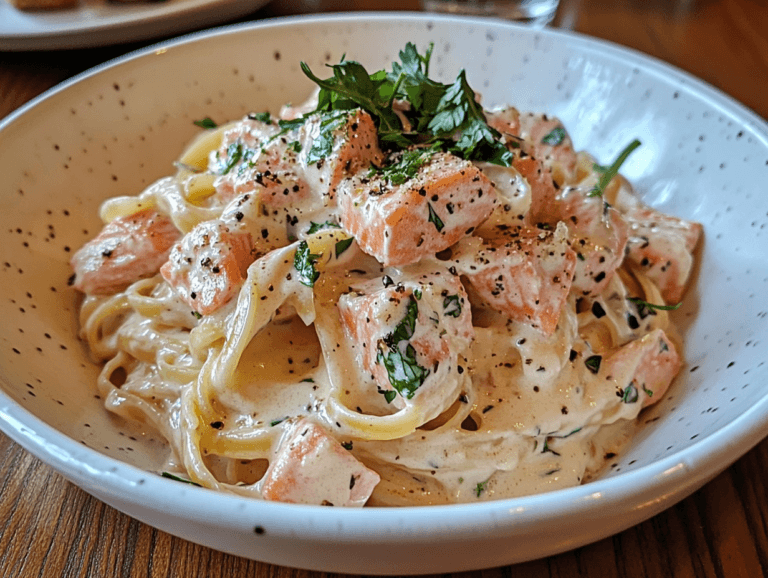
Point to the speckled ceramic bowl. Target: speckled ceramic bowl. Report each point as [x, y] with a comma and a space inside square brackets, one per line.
[115, 129]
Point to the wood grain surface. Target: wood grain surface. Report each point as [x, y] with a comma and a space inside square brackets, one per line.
[48, 527]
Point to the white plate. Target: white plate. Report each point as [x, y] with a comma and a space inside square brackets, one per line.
[102, 22]
[115, 129]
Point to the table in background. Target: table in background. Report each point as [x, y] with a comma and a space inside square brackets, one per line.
[48, 527]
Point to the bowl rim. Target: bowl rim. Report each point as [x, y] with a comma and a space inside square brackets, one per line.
[661, 483]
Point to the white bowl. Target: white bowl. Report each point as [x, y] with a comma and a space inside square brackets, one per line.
[115, 129]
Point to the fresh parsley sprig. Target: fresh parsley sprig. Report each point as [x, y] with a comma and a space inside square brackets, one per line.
[448, 116]
[459, 112]
[607, 173]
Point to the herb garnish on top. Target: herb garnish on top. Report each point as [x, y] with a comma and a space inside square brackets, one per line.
[447, 116]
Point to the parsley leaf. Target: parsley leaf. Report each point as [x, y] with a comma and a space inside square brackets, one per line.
[404, 372]
[405, 166]
[350, 87]
[274, 422]
[452, 306]
[304, 262]
[647, 391]
[447, 116]
[629, 395]
[343, 245]
[389, 394]
[607, 173]
[406, 327]
[206, 122]
[480, 488]
[264, 117]
[411, 74]
[593, 363]
[322, 145]
[555, 137]
[459, 111]
[315, 227]
[234, 155]
[434, 219]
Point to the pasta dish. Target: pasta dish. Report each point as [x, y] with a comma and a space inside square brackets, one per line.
[386, 295]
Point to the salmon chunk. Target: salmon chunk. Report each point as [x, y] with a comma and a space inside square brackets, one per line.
[506, 120]
[547, 140]
[258, 157]
[409, 331]
[338, 145]
[523, 272]
[208, 266]
[126, 250]
[543, 205]
[598, 235]
[540, 136]
[311, 467]
[644, 368]
[400, 219]
[662, 247]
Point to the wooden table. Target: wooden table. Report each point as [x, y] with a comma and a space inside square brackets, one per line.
[48, 527]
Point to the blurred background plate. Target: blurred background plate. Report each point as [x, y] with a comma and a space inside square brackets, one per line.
[101, 22]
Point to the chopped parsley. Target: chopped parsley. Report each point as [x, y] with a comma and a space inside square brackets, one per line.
[343, 245]
[170, 476]
[647, 391]
[434, 219]
[607, 173]
[307, 380]
[205, 123]
[346, 445]
[630, 394]
[315, 227]
[304, 263]
[593, 363]
[404, 166]
[197, 315]
[452, 306]
[555, 137]
[480, 488]
[274, 422]
[399, 357]
[234, 155]
[264, 117]
[295, 146]
[322, 145]
[389, 394]
[417, 293]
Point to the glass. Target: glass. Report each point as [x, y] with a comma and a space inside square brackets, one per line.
[534, 12]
